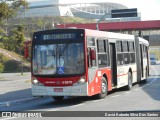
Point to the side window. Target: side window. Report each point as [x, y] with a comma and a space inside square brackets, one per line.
[126, 52]
[91, 52]
[90, 41]
[119, 46]
[119, 53]
[132, 51]
[102, 46]
[91, 62]
[131, 46]
[125, 46]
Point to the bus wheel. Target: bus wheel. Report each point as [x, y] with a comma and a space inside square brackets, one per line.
[129, 86]
[58, 98]
[104, 89]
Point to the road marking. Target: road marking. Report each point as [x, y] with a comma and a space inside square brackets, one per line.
[53, 110]
[136, 89]
[77, 105]
[127, 92]
[50, 109]
[115, 96]
[8, 103]
[98, 100]
[9, 118]
[14, 81]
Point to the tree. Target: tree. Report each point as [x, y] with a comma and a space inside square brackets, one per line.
[18, 38]
[7, 11]
[1, 67]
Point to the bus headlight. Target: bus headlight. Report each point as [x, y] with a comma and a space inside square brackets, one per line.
[81, 81]
[36, 82]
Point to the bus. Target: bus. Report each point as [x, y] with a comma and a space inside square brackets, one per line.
[83, 62]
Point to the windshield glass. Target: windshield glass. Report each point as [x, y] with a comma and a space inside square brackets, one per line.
[56, 59]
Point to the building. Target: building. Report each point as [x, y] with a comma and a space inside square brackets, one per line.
[84, 9]
[118, 17]
[149, 30]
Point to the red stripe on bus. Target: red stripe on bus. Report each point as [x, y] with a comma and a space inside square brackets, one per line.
[124, 74]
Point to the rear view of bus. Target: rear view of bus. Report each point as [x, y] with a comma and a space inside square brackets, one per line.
[58, 63]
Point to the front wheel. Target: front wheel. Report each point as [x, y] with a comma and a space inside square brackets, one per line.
[104, 89]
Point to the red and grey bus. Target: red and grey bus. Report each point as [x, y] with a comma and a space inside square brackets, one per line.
[82, 62]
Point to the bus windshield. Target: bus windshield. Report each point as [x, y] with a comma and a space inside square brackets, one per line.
[58, 59]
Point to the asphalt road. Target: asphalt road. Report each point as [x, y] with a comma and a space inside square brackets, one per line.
[142, 97]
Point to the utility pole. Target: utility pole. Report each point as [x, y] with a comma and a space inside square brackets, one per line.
[97, 24]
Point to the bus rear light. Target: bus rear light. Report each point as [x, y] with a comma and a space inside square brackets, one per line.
[81, 81]
[36, 82]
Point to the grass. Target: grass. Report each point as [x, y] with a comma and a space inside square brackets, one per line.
[28, 81]
[11, 65]
[1, 78]
[15, 55]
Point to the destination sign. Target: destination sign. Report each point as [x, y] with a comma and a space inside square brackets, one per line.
[59, 36]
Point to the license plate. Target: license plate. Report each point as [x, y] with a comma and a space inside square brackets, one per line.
[58, 89]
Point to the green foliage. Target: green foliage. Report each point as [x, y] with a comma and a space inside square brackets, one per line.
[5, 11]
[11, 65]
[18, 3]
[2, 59]
[14, 66]
[18, 38]
[7, 43]
[14, 42]
[8, 11]
[2, 31]
[1, 67]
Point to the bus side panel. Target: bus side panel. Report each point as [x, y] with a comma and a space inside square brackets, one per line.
[122, 75]
[94, 87]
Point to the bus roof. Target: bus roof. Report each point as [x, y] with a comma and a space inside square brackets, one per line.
[102, 34]
[109, 35]
[143, 41]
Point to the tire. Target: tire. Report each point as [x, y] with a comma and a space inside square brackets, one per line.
[129, 86]
[58, 98]
[104, 89]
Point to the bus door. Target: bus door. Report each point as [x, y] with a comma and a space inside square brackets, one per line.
[91, 58]
[92, 63]
[141, 59]
[113, 63]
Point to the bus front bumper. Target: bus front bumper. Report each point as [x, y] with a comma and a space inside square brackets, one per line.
[79, 90]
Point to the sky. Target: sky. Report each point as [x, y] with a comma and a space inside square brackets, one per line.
[149, 9]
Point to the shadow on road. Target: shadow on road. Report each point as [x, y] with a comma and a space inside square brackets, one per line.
[15, 95]
[153, 89]
[152, 86]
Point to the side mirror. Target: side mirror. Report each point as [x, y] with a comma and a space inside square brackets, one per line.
[92, 55]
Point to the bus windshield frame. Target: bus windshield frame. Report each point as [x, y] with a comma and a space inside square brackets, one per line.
[58, 57]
